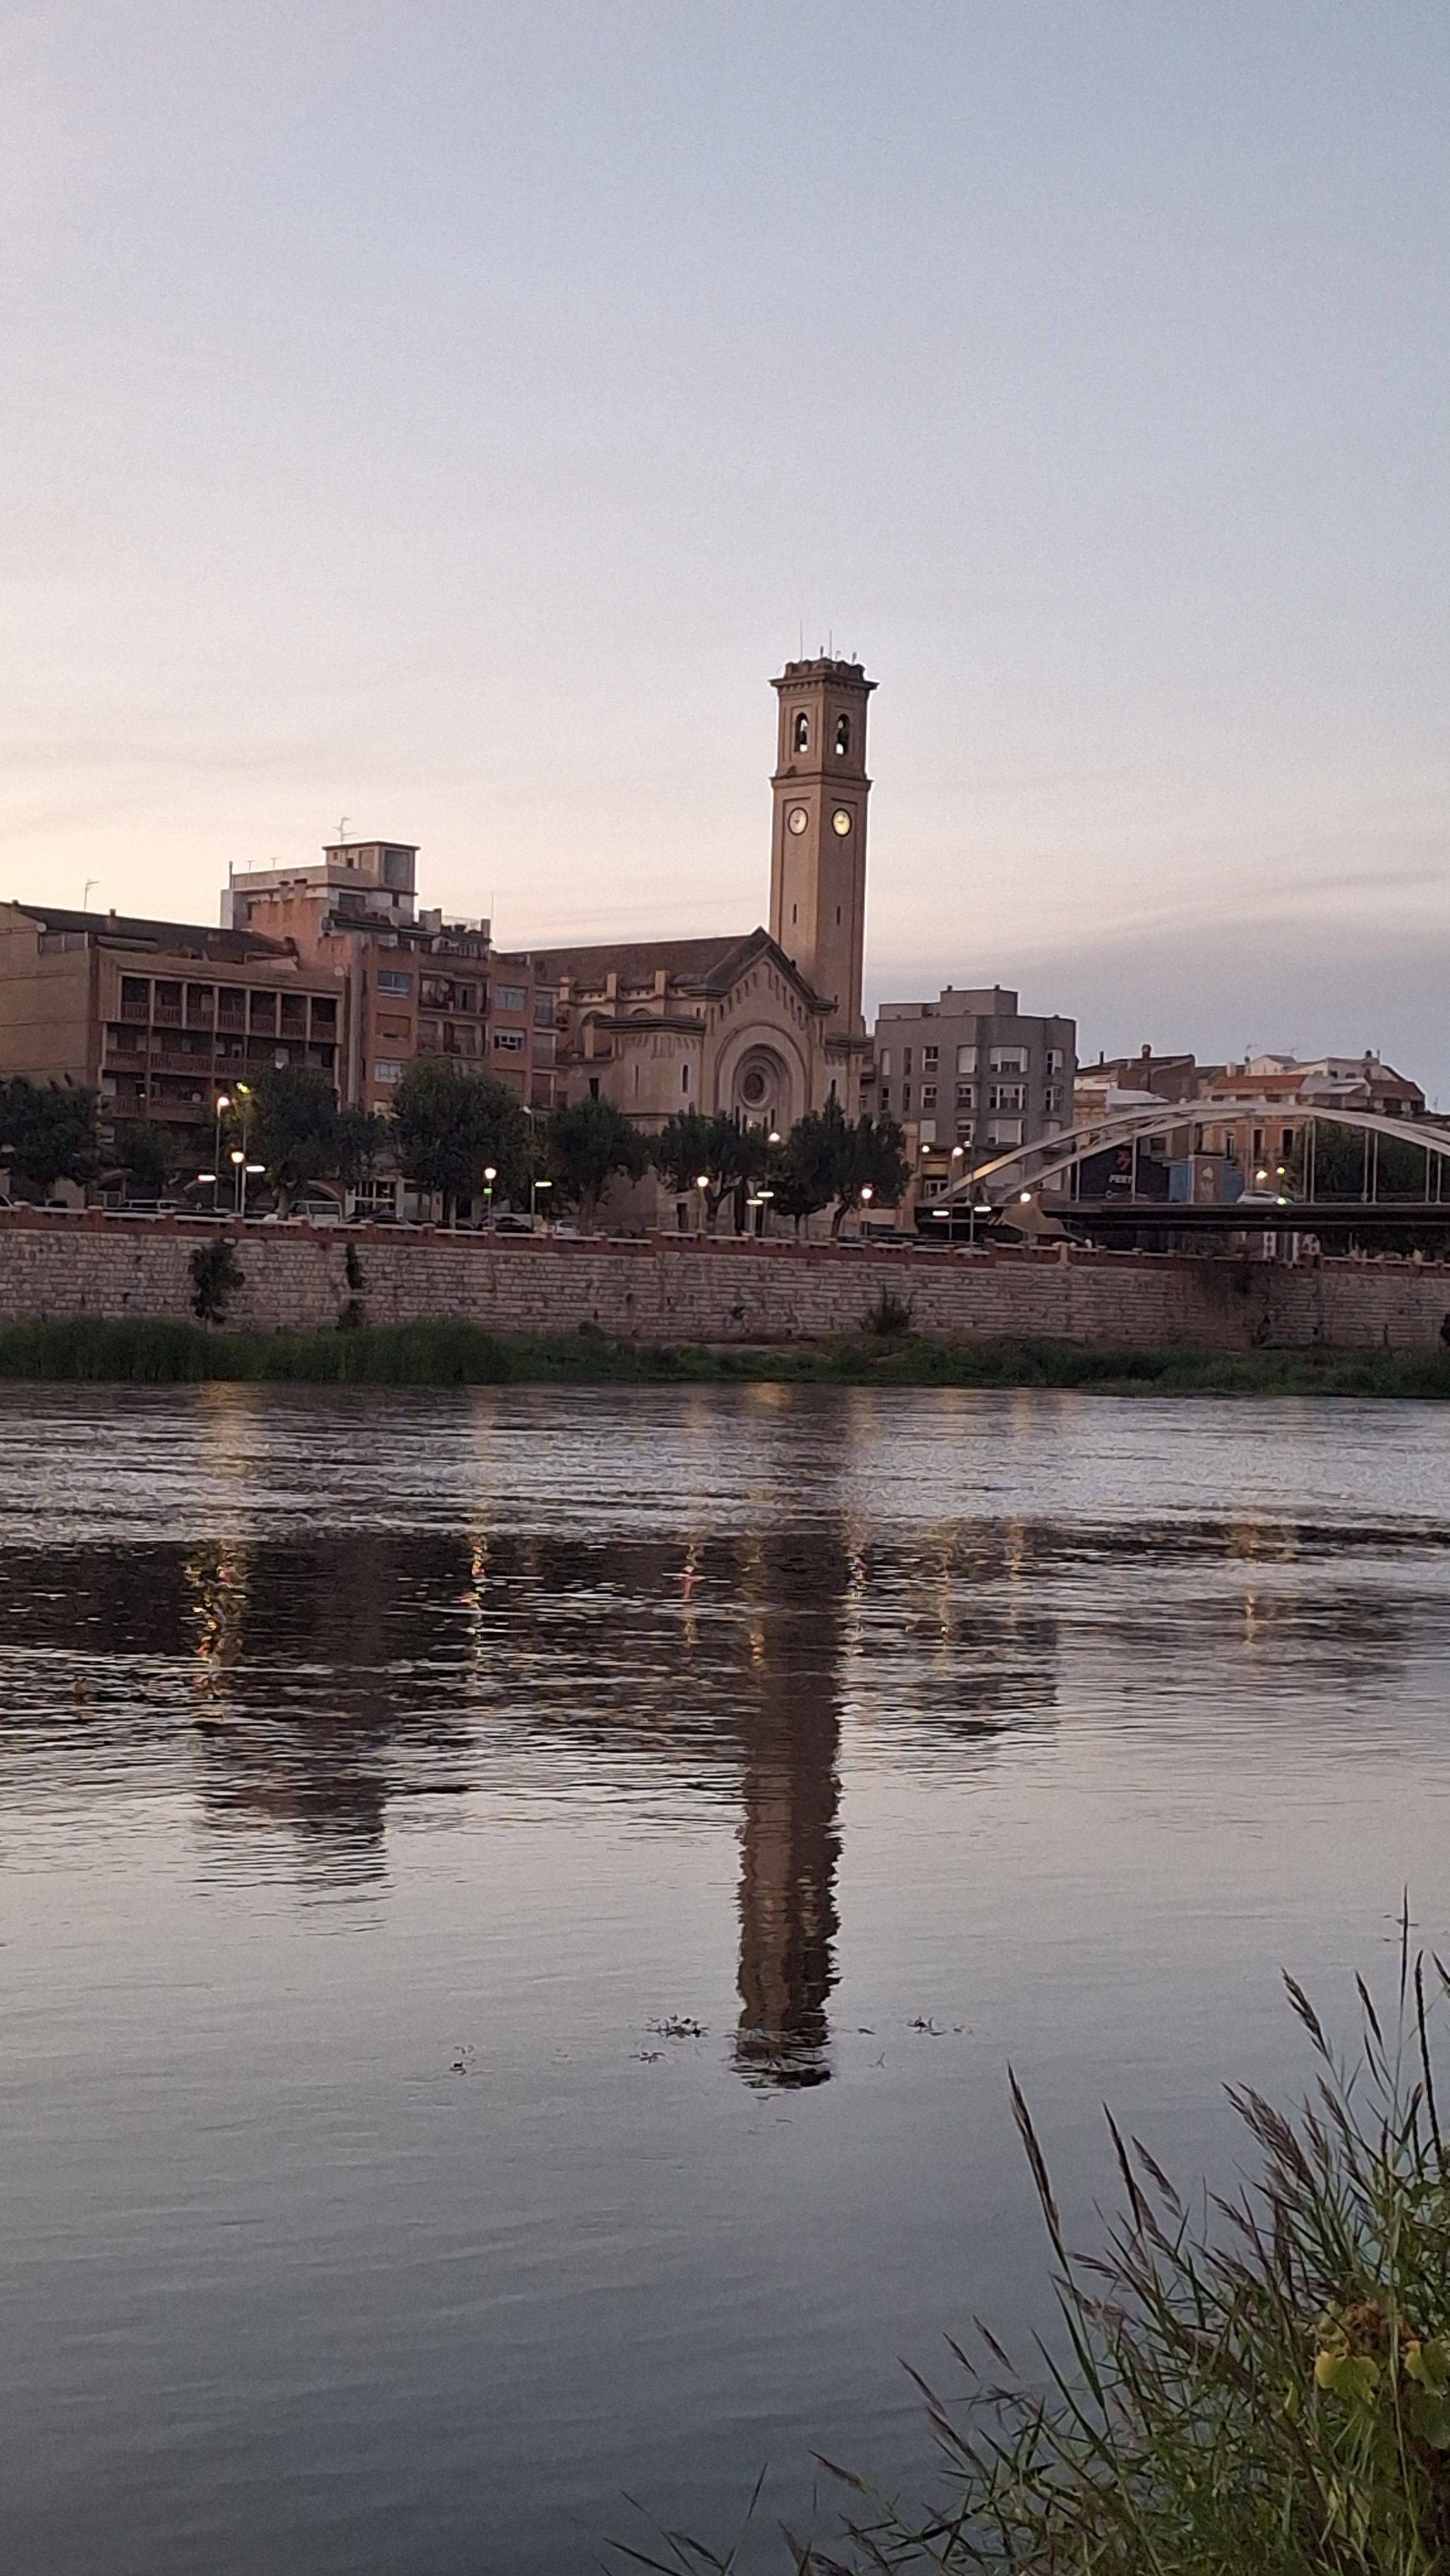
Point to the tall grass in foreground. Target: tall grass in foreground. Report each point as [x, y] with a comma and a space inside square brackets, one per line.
[1264, 2391]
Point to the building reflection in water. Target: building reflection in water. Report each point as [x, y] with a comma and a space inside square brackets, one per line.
[790, 1740]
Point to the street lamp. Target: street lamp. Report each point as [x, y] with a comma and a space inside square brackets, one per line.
[535, 1186]
[223, 1104]
[490, 1175]
[239, 1165]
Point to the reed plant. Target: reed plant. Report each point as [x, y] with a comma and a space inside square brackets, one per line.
[1262, 2389]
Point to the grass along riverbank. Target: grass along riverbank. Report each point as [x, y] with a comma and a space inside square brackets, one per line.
[1249, 2385]
[457, 1354]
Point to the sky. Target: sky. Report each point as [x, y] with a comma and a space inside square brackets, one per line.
[448, 416]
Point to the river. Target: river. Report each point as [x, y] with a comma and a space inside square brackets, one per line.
[517, 1906]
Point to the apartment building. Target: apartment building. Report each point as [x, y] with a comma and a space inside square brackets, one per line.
[971, 1069]
[157, 1016]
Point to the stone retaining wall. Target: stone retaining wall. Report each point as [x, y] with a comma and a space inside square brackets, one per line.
[672, 1288]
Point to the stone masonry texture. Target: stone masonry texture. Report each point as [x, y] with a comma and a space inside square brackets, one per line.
[668, 1288]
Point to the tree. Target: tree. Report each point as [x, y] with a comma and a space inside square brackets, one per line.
[721, 1149]
[362, 1137]
[826, 1162]
[1349, 1161]
[50, 1130]
[448, 1124]
[877, 1163]
[147, 1156]
[584, 1146]
[294, 1129]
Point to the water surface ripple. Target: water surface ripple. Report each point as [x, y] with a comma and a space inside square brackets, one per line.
[517, 1904]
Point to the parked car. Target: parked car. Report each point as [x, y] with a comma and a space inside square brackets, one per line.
[309, 1208]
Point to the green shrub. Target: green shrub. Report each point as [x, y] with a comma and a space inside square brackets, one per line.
[216, 1274]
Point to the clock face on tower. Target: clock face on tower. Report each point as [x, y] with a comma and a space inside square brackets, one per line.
[797, 818]
[841, 821]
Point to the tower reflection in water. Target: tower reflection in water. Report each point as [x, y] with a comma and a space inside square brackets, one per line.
[790, 1731]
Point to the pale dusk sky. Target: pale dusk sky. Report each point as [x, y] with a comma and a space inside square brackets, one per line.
[449, 416]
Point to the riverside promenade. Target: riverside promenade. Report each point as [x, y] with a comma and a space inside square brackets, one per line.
[689, 1288]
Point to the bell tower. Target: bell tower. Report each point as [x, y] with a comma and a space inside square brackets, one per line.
[818, 831]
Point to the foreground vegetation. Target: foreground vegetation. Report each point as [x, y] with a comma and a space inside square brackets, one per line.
[459, 1354]
[1261, 2391]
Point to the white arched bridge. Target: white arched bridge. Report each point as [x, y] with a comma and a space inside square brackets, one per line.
[1049, 1170]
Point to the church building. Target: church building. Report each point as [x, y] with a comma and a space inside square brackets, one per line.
[767, 1023]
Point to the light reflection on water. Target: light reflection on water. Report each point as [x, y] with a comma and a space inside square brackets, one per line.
[517, 1906]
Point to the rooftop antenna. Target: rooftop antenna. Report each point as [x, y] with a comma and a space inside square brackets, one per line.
[342, 822]
[86, 893]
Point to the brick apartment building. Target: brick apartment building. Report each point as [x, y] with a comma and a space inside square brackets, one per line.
[157, 1017]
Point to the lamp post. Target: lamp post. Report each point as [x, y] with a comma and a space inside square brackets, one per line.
[490, 1175]
[535, 1185]
[239, 1166]
[702, 1184]
[223, 1104]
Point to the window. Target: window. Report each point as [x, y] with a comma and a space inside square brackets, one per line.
[509, 997]
[905, 1097]
[843, 736]
[885, 1098]
[684, 1077]
[508, 1041]
[393, 1028]
[1258, 1144]
[964, 1131]
[390, 981]
[1056, 1061]
[801, 733]
[387, 1070]
[927, 1133]
[1009, 1059]
[928, 1095]
[543, 1010]
[884, 1062]
[966, 1059]
[906, 1059]
[964, 1096]
[929, 1055]
[594, 1086]
[1005, 1095]
[1003, 1131]
[1286, 1141]
[135, 997]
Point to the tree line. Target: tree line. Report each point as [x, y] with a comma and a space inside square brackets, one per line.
[448, 1128]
